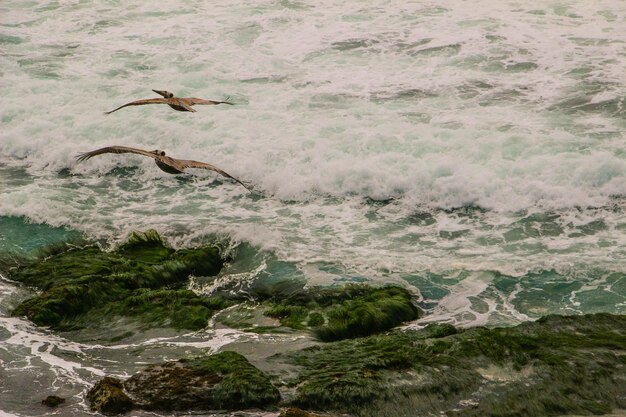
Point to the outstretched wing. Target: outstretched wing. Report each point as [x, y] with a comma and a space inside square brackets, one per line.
[141, 103]
[194, 100]
[113, 149]
[184, 104]
[204, 165]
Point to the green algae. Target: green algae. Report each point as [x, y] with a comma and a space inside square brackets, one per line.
[178, 309]
[350, 311]
[292, 316]
[315, 320]
[142, 279]
[373, 310]
[554, 366]
[146, 247]
[242, 384]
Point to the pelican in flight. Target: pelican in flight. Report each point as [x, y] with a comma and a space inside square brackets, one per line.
[177, 103]
[167, 164]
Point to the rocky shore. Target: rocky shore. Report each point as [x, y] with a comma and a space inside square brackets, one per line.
[357, 363]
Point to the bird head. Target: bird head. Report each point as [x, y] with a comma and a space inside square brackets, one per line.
[164, 93]
[158, 152]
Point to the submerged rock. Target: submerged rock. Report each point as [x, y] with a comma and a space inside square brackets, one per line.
[140, 279]
[222, 381]
[53, 401]
[555, 366]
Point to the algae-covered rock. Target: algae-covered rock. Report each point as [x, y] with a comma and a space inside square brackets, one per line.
[369, 311]
[142, 279]
[178, 309]
[346, 312]
[108, 397]
[555, 366]
[217, 382]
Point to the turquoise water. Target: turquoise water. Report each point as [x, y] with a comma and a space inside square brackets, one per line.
[473, 154]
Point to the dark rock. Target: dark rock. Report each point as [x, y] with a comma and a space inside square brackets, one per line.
[296, 412]
[107, 397]
[217, 382]
[222, 381]
[53, 401]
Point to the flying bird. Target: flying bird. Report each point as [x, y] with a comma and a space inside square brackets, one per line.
[177, 103]
[164, 162]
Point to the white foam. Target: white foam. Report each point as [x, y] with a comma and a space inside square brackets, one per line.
[42, 346]
[211, 340]
[456, 308]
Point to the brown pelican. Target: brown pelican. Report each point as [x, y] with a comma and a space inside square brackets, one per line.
[177, 103]
[167, 164]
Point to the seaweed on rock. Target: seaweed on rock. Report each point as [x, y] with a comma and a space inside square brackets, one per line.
[557, 365]
[345, 312]
[108, 397]
[127, 281]
[176, 308]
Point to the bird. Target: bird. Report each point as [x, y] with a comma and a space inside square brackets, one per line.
[177, 103]
[164, 162]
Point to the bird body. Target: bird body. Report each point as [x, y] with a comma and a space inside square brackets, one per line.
[164, 162]
[177, 103]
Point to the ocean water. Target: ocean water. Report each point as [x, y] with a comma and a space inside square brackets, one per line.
[473, 153]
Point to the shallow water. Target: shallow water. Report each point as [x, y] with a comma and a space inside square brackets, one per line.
[474, 154]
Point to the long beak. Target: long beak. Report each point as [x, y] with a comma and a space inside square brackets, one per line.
[162, 93]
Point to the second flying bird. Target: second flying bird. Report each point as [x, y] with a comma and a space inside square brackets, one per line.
[165, 163]
[177, 103]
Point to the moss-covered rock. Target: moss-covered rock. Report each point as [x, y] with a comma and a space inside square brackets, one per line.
[142, 279]
[337, 313]
[178, 309]
[108, 397]
[364, 312]
[217, 382]
[555, 366]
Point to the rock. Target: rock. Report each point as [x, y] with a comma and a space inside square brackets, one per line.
[141, 279]
[222, 381]
[179, 309]
[338, 312]
[107, 397]
[296, 412]
[557, 365]
[53, 401]
[366, 311]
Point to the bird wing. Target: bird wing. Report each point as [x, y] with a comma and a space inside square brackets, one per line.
[204, 165]
[141, 103]
[184, 104]
[194, 100]
[113, 149]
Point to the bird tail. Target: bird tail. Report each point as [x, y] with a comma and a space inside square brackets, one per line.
[227, 101]
[83, 156]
